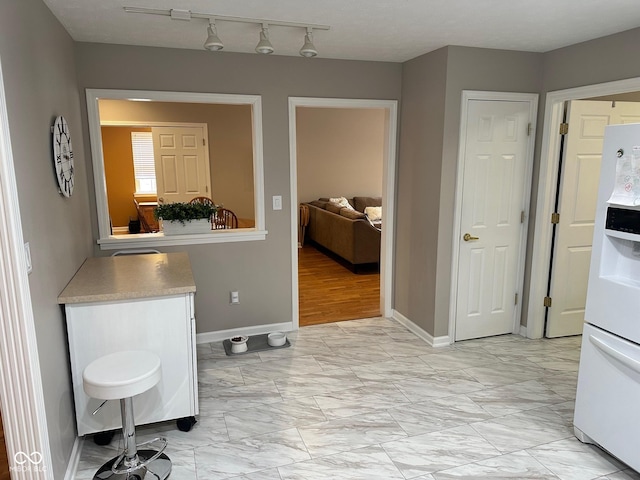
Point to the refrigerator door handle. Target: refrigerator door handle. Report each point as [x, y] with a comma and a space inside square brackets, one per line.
[632, 363]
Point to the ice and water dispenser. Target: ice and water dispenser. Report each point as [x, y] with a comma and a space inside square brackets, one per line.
[621, 250]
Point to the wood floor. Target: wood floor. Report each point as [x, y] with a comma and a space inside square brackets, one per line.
[4, 463]
[330, 292]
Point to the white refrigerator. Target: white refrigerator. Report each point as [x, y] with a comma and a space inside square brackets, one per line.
[607, 409]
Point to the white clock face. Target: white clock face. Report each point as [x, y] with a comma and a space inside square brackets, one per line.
[63, 156]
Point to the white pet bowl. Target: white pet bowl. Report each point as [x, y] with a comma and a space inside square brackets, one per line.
[238, 344]
[276, 339]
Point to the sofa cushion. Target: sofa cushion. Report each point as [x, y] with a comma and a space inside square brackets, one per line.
[333, 207]
[319, 204]
[351, 214]
[362, 202]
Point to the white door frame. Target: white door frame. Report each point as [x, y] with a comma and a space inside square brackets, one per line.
[549, 161]
[388, 192]
[21, 393]
[467, 96]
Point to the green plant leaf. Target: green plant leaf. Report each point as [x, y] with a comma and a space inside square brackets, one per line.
[184, 212]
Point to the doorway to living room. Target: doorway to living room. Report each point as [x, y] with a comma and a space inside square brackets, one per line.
[342, 180]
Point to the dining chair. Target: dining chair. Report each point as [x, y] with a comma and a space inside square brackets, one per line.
[204, 200]
[224, 218]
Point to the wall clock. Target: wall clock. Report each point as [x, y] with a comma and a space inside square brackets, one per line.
[63, 156]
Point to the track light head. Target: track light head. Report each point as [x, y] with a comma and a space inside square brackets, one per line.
[213, 42]
[264, 45]
[308, 49]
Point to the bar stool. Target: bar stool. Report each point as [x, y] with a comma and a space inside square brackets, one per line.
[121, 376]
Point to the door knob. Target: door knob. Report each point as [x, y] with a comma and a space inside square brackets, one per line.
[468, 237]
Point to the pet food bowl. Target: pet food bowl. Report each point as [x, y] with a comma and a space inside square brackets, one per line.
[238, 344]
[276, 339]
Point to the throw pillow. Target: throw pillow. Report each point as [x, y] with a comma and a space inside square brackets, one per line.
[352, 214]
[333, 208]
[342, 201]
[374, 213]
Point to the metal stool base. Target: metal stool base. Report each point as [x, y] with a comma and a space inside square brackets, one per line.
[158, 469]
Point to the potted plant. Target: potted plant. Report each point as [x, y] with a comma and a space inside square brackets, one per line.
[183, 218]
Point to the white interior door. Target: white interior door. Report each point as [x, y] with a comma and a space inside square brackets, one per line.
[495, 161]
[577, 206]
[182, 163]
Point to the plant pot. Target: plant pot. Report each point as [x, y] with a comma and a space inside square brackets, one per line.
[200, 225]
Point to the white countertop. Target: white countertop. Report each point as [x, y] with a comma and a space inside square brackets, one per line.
[101, 279]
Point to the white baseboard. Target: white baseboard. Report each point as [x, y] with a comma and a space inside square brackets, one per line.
[74, 459]
[443, 341]
[523, 331]
[220, 335]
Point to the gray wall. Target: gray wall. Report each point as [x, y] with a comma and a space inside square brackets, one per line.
[40, 83]
[418, 186]
[422, 277]
[261, 270]
[605, 59]
[431, 103]
[472, 69]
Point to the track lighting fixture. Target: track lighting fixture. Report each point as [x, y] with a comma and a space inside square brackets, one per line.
[308, 49]
[213, 42]
[264, 45]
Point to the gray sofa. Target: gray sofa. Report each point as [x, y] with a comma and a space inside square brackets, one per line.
[345, 232]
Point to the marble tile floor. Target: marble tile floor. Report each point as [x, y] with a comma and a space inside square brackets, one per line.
[367, 399]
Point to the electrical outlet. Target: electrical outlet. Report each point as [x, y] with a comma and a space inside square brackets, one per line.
[235, 298]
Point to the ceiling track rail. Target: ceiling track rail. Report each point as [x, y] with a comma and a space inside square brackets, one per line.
[178, 14]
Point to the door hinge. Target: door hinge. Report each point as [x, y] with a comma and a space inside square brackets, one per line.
[547, 301]
[564, 128]
[522, 216]
[529, 128]
[204, 142]
[516, 300]
[555, 217]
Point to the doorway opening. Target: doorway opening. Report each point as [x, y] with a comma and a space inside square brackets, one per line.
[542, 276]
[317, 178]
[575, 207]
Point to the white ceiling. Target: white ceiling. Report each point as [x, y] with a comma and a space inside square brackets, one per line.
[383, 30]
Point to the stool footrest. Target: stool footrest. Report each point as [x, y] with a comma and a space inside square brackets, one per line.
[115, 467]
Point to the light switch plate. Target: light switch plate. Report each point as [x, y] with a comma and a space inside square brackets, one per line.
[277, 202]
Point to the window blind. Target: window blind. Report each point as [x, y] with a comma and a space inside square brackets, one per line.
[143, 164]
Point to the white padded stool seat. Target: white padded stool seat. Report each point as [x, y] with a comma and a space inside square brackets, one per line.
[122, 374]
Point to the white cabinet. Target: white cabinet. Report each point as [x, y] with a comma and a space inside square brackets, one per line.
[163, 325]
[126, 303]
